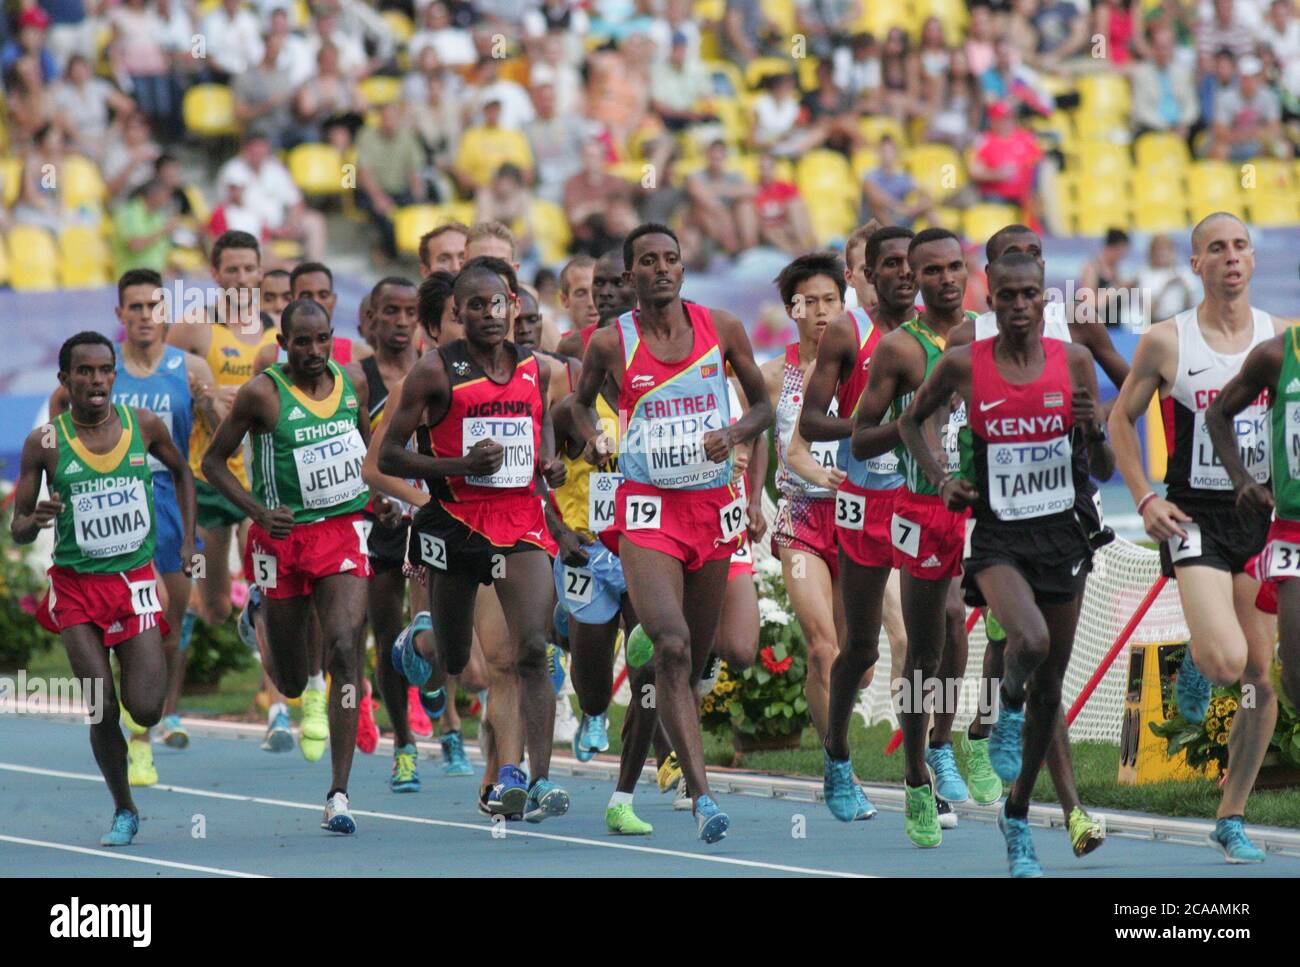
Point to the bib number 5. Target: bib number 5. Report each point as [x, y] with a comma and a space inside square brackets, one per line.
[264, 573]
[643, 512]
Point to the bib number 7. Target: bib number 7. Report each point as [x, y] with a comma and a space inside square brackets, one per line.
[905, 535]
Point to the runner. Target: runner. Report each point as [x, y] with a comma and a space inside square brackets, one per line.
[307, 546]
[276, 292]
[610, 287]
[577, 296]
[876, 267]
[1206, 541]
[1026, 554]
[103, 587]
[485, 525]
[174, 386]
[677, 519]
[443, 249]
[926, 536]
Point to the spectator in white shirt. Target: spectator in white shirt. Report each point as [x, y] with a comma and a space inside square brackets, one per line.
[455, 47]
[297, 57]
[232, 38]
[488, 86]
[1167, 287]
[550, 66]
[271, 192]
[1281, 31]
[677, 19]
[352, 54]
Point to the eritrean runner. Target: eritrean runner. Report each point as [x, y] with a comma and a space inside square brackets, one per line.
[176, 387]
[1026, 552]
[1206, 539]
[677, 518]
[307, 548]
[485, 451]
[103, 593]
[878, 271]
[927, 537]
[1086, 834]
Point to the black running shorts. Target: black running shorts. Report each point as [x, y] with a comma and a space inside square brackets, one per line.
[387, 545]
[1221, 536]
[1054, 558]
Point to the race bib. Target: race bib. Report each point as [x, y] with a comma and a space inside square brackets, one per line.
[885, 464]
[905, 535]
[1030, 479]
[264, 570]
[601, 489]
[950, 437]
[1282, 560]
[1183, 548]
[578, 583]
[850, 510]
[329, 471]
[1251, 425]
[112, 521]
[1293, 439]
[156, 465]
[675, 454]
[515, 434]
[744, 554]
[643, 512]
[732, 518]
[970, 533]
[433, 551]
[144, 596]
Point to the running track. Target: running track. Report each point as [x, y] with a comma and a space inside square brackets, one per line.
[262, 811]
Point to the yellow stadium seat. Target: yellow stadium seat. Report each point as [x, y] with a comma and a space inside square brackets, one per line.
[826, 173]
[81, 183]
[317, 169]
[874, 127]
[11, 173]
[84, 259]
[980, 221]
[186, 260]
[199, 206]
[831, 218]
[400, 25]
[864, 160]
[951, 13]
[286, 250]
[412, 221]
[878, 18]
[379, 90]
[1213, 186]
[1159, 192]
[1060, 125]
[4, 263]
[1100, 190]
[1104, 94]
[735, 118]
[1267, 176]
[937, 169]
[209, 111]
[460, 211]
[761, 67]
[33, 259]
[709, 10]
[780, 13]
[1158, 151]
[1158, 217]
[807, 67]
[551, 227]
[1272, 211]
[1095, 219]
[1104, 161]
[1100, 128]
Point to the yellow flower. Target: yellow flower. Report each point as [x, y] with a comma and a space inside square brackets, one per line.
[1221, 738]
[1211, 725]
[1230, 704]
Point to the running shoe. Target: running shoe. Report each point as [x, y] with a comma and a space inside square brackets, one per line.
[416, 718]
[315, 721]
[434, 703]
[279, 735]
[1020, 847]
[367, 730]
[484, 795]
[406, 774]
[1230, 837]
[510, 794]
[312, 749]
[921, 816]
[555, 667]
[709, 677]
[713, 822]
[621, 821]
[125, 825]
[545, 799]
[948, 783]
[1192, 690]
[174, 735]
[669, 773]
[247, 629]
[985, 786]
[947, 815]
[455, 761]
[1086, 834]
[591, 737]
[866, 808]
[337, 817]
[406, 659]
[1004, 743]
[640, 649]
[140, 769]
[130, 723]
[837, 788]
[682, 798]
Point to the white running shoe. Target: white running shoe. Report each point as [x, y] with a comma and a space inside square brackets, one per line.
[681, 799]
[337, 817]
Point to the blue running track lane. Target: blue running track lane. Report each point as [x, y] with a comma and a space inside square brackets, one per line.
[225, 808]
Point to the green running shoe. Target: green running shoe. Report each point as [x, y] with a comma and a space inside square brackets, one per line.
[921, 816]
[984, 784]
[315, 722]
[640, 649]
[621, 821]
[1086, 834]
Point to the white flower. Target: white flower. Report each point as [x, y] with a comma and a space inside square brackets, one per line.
[771, 613]
[768, 567]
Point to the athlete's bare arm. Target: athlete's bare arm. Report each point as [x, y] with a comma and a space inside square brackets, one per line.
[1096, 339]
[1083, 382]
[382, 482]
[195, 338]
[255, 409]
[158, 441]
[37, 462]
[265, 357]
[951, 375]
[961, 335]
[739, 355]
[602, 359]
[1152, 372]
[550, 468]
[891, 364]
[207, 402]
[570, 344]
[1260, 372]
[837, 355]
[799, 458]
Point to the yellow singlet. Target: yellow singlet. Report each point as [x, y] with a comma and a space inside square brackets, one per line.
[578, 504]
[232, 363]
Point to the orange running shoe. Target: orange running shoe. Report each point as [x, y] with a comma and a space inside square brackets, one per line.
[415, 715]
[367, 730]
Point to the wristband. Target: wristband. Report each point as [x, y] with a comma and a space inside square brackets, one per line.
[1146, 500]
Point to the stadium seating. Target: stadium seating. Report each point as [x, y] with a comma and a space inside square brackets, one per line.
[763, 67]
[84, 259]
[412, 221]
[936, 168]
[33, 259]
[980, 221]
[874, 127]
[81, 183]
[209, 111]
[825, 174]
[317, 169]
[1157, 151]
[379, 90]
[551, 228]
[11, 173]
[1213, 186]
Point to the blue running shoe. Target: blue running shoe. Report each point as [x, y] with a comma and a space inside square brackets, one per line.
[545, 800]
[405, 657]
[187, 630]
[837, 788]
[279, 734]
[1004, 743]
[591, 737]
[1230, 837]
[949, 784]
[714, 823]
[434, 703]
[247, 633]
[455, 761]
[555, 667]
[406, 774]
[510, 795]
[866, 808]
[1020, 846]
[1192, 690]
[125, 825]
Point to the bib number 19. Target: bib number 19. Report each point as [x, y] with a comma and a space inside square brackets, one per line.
[643, 512]
[732, 517]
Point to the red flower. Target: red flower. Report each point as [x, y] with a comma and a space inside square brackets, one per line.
[28, 603]
[771, 664]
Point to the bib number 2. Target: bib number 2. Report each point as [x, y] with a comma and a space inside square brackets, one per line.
[1184, 548]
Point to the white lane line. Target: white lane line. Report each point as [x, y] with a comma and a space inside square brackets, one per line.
[129, 858]
[451, 824]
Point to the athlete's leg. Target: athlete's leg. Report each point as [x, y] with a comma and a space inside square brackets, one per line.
[591, 663]
[316, 646]
[991, 677]
[1028, 638]
[490, 626]
[144, 677]
[1252, 726]
[738, 628]
[340, 605]
[952, 667]
[925, 618]
[527, 597]
[213, 588]
[865, 588]
[1218, 643]
[639, 728]
[387, 593]
[176, 587]
[90, 664]
[1288, 611]
[286, 658]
